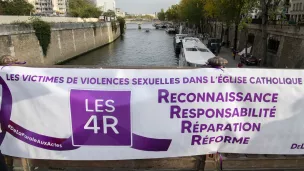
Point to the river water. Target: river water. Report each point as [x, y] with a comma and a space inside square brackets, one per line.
[135, 48]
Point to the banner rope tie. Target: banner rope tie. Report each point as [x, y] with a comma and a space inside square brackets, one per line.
[219, 67]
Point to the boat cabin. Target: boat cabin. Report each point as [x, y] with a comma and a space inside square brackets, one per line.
[194, 53]
[177, 42]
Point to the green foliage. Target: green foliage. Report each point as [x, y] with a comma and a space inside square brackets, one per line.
[83, 9]
[161, 15]
[109, 13]
[42, 32]
[122, 23]
[244, 24]
[16, 7]
[232, 11]
[192, 10]
[148, 17]
[276, 8]
[172, 13]
[114, 26]
[212, 8]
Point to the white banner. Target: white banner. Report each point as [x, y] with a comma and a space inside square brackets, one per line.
[115, 114]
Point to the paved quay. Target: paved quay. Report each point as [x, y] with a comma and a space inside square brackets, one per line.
[227, 54]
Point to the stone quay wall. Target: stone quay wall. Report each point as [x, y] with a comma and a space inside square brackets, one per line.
[290, 38]
[8, 19]
[68, 40]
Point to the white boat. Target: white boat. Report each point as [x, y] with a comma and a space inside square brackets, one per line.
[177, 42]
[171, 30]
[194, 53]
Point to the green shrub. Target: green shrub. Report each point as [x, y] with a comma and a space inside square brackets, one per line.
[83, 9]
[114, 26]
[43, 33]
[122, 23]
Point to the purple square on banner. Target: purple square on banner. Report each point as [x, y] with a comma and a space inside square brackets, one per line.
[101, 118]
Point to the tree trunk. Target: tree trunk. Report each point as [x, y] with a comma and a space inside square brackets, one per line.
[222, 32]
[228, 33]
[205, 28]
[264, 32]
[201, 28]
[236, 36]
[215, 29]
[246, 44]
[211, 28]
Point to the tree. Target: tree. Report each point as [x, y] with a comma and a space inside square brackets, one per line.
[240, 10]
[109, 13]
[267, 7]
[244, 27]
[172, 13]
[212, 10]
[83, 9]
[228, 12]
[122, 23]
[16, 7]
[215, 11]
[161, 15]
[192, 11]
[234, 11]
[149, 17]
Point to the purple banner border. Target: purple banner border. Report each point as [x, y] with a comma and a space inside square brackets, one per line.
[59, 144]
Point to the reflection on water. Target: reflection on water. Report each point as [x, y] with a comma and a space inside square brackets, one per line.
[135, 48]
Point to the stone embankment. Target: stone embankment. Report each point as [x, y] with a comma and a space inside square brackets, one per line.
[67, 40]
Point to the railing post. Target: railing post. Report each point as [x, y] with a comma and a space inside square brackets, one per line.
[218, 162]
[9, 162]
[25, 165]
[201, 162]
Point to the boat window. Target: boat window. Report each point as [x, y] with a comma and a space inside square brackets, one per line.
[191, 49]
[203, 50]
[191, 40]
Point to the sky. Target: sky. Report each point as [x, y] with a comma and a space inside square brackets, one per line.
[144, 6]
